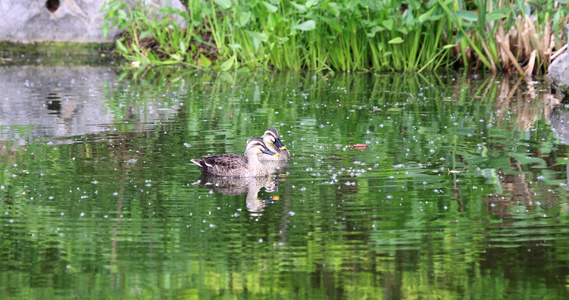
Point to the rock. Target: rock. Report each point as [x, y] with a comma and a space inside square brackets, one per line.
[559, 69]
[559, 121]
[38, 99]
[71, 21]
[58, 104]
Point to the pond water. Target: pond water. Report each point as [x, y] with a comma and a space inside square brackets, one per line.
[408, 186]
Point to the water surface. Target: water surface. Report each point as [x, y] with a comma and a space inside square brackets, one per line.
[400, 186]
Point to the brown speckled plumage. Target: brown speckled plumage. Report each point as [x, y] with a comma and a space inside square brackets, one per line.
[234, 165]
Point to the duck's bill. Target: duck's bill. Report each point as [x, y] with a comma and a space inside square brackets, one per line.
[269, 152]
[279, 144]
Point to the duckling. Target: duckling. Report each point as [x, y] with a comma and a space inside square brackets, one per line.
[271, 139]
[234, 165]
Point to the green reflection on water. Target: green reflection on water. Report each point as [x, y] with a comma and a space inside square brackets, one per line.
[460, 193]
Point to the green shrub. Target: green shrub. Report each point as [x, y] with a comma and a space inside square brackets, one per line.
[352, 35]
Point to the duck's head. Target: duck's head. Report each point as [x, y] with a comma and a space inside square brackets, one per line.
[271, 136]
[256, 146]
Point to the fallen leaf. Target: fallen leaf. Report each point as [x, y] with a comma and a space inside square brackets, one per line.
[359, 146]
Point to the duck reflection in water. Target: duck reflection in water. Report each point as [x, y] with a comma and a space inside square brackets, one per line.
[241, 185]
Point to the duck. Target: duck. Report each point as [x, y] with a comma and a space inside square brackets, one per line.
[271, 139]
[235, 165]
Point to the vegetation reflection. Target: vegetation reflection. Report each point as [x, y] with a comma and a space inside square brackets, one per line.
[459, 191]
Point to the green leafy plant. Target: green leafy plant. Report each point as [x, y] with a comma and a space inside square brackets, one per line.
[355, 35]
[153, 37]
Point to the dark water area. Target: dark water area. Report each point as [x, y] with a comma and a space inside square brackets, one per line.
[401, 186]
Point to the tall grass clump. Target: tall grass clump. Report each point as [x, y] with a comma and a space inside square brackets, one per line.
[351, 35]
[152, 37]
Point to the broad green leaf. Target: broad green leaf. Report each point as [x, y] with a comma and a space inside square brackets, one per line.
[258, 37]
[122, 14]
[121, 47]
[459, 37]
[388, 24]
[495, 16]
[183, 47]
[526, 7]
[204, 61]
[467, 15]
[334, 8]
[306, 26]
[332, 23]
[409, 18]
[228, 64]
[525, 159]
[397, 40]
[283, 40]
[270, 7]
[301, 8]
[503, 10]
[426, 16]
[228, 77]
[225, 4]
[244, 18]
[134, 47]
[374, 30]
[271, 22]
[415, 4]
[310, 3]
[436, 17]
[144, 34]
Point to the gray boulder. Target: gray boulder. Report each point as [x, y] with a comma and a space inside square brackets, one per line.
[58, 104]
[559, 121]
[75, 21]
[559, 69]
